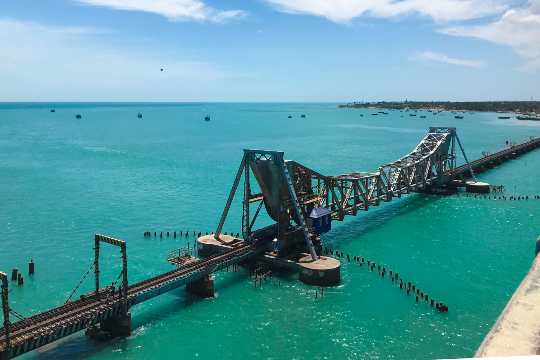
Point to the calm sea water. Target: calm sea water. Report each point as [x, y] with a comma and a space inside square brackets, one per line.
[64, 179]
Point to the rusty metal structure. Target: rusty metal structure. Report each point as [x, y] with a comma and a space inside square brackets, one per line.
[289, 190]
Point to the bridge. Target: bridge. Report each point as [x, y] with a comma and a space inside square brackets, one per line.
[105, 306]
[290, 192]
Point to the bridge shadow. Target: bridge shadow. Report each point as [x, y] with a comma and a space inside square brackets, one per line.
[376, 217]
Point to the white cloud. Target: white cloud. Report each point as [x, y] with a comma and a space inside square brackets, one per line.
[518, 28]
[443, 58]
[343, 11]
[67, 63]
[171, 9]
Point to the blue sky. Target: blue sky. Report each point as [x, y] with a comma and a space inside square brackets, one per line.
[269, 50]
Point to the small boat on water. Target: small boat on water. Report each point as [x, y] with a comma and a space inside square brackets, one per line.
[78, 116]
[207, 118]
[458, 117]
[504, 117]
[53, 110]
[375, 114]
[361, 115]
[289, 117]
[139, 115]
[422, 116]
[527, 117]
[412, 114]
[303, 115]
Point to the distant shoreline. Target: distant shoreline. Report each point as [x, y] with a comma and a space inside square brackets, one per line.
[528, 108]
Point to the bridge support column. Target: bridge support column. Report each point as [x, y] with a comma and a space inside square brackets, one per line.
[203, 287]
[5, 355]
[117, 326]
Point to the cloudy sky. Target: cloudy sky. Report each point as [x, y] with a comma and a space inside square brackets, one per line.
[269, 50]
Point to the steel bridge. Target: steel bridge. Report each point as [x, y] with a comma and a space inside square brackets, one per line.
[289, 191]
[105, 306]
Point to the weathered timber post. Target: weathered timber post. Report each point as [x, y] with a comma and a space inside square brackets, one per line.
[5, 354]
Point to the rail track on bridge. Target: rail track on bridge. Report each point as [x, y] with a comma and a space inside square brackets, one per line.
[51, 325]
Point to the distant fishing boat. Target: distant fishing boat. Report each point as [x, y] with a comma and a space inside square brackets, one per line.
[412, 114]
[458, 117]
[504, 117]
[422, 116]
[139, 115]
[207, 118]
[534, 118]
[78, 116]
[374, 114]
[290, 116]
[53, 110]
[361, 115]
[303, 115]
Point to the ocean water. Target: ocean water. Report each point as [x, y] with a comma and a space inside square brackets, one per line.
[64, 179]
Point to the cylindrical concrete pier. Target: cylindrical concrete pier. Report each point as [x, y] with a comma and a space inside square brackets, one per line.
[325, 271]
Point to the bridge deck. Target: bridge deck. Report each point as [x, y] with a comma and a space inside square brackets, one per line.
[481, 164]
[51, 325]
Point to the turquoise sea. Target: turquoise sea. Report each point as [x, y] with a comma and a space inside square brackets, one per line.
[64, 179]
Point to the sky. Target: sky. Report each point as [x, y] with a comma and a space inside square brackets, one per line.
[269, 50]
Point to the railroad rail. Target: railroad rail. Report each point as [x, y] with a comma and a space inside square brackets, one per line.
[491, 160]
[97, 307]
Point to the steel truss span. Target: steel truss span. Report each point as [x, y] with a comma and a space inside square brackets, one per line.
[289, 190]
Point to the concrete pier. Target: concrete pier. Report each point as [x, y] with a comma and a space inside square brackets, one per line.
[207, 244]
[517, 331]
[117, 326]
[203, 287]
[325, 271]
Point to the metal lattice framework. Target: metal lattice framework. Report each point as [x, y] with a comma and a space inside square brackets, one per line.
[290, 190]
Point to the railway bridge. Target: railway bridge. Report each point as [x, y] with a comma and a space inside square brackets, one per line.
[301, 202]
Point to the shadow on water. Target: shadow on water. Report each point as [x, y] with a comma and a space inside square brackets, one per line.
[374, 218]
[78, 346]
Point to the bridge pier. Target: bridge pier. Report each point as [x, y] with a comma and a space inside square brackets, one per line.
[119, 325]
[5, 355]
[203, 287]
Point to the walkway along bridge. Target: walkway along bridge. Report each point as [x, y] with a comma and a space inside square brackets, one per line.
[289, 192]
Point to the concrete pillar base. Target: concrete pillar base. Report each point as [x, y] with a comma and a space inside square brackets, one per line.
[5, 355]
[325, 271]
[203, 287]
[118, 325]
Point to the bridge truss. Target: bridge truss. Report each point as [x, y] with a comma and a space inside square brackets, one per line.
[290, 190]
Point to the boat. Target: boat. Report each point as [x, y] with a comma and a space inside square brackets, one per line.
[290, 116]
[78, 116]
[207, 118]
[303, 115]
[527, 117]
[139, 115]
[374, 114]
[504, 117]
[53, 110]
[412, 114]
[361, 115]
[458, 116]
[422, 116]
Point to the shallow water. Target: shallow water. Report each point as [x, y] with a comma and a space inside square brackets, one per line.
[64, 179]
